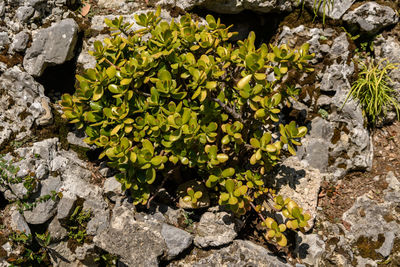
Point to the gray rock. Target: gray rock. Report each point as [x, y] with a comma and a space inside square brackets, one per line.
[334, 9]
[111, 3]
[17, 221]
[24, 13]
[4, 40]
[65, 208]
[56, 231]
[176, 239]
[309, 248]
[22, 104]
[77, 139]
[387, 246]
[20, 42]
[51, 46]
[239, 253]
[2, 7]
[112, 188]
[371, 17]
[216, 229]
[137, 243]
[43, 211]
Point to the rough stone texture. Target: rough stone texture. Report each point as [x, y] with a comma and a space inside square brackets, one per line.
[24, 13]
[236, 6]
[239, 253]
[371, 17]
[176, 239]
[111, 3]
[17, 221]
[334, 9]
[309, 248]
[51, 46]
[56, 231]
[138, 243]
[22, 105]
[4, 40]
[112, 188]
[338, 142]
[389, 48]
[302, 183]
[43, 211]
[216, 229]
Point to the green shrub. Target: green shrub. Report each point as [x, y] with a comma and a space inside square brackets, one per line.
[177, 96]
[373, 90]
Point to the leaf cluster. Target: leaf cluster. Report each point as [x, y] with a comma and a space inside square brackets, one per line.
[180, 95]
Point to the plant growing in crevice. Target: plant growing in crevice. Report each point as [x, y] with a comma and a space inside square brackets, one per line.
[8, 176]
[32, 252]
[77, 223]
[180, 96]
[373, 90]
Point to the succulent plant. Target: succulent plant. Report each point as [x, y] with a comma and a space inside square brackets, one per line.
[181, 95]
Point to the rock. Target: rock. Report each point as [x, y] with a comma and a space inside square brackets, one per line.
[239, 253]
[136, 243]
[387, 246]
[111, 3]
[51, 46]
[344, 144]
[24, 13]
[334, 9]
[176, 239]
[21, 104]
[4, 40]
[65, 208]
[309, 248]
[20, 42]
[75, 138]
[17, 221]
[56, 231]
[43, 211]
[236, 6]
[203, 202]
[112, 188]
[299, 181]
[216, 229]
[371, 17]
[2, 7]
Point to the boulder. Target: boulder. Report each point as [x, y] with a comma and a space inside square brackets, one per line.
[370, 18]
[51, 46]
[176, 240]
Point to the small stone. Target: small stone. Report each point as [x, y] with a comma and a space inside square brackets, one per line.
[176, 239]
[24, 13]
[387, 246]
[65, 208]
[309, 248]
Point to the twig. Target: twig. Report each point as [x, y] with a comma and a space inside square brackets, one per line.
[259, 213]
[229, 110]
[112, 64]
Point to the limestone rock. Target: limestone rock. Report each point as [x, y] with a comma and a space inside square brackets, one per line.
[371, 17]
[176, 240]
[216, 229]
[51, 46]
[333, 9]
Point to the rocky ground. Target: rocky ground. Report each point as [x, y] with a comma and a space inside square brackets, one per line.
[345, 174]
